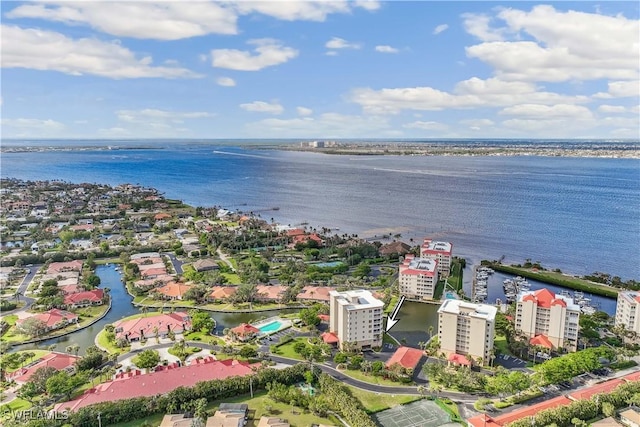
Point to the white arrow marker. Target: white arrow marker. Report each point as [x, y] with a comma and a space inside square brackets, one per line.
[391, 320]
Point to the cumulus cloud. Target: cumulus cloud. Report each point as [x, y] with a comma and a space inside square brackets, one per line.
[267, 53]
[469, 93]
[178, 20]
[43, 126]
[225, 81]
[565, 46]
[303, 111]
[477, 124]
[612, 109]
[338, 43]
[621, 89]
[263, 107]
[48, 50]
[558, 111]
[386, 49]
[327, 125]
[440, 28]
[151, 114]
[425, 125]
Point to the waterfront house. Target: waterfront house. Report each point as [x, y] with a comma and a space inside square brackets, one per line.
[394, 248]
[315, 293]
[61, 267]
[55, 360]
[151, 326]
[53, 319]
[406, 357]
[270, 292]
[84, 299]
[221, 293]
[173, 290]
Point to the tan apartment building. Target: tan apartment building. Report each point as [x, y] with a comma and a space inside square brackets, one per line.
[355, 317]
[418, 277]
[547, 319]
[627, 311]
[466, 329]
[439, 251]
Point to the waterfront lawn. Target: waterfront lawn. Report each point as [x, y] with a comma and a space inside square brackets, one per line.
[371, 379]
[37, 355]
[108, 345]
[392, 304]
[376, 402]
[388, 339]
[437, 294]
[455, 279]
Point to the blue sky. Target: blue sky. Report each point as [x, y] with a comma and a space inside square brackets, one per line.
[302, 69]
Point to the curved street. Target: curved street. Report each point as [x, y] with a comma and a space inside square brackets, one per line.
[22, 289]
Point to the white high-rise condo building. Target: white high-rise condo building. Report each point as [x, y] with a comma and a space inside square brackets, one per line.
[547, 319]
[466, 329]
[418, 277]
[356, 319]
[439, 251]
[628, 311]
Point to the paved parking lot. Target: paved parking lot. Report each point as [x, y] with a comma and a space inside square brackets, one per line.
[510, 362]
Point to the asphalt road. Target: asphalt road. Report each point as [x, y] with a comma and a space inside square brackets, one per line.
[22, 289]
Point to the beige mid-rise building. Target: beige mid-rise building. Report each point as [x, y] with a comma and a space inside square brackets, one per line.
[355, 317]
[547, 319]
[466, 329]
[628, 311]
[439, 251]
[418, 277]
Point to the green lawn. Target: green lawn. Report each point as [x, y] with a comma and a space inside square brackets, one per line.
[15, 405]
[11, 319]
[388, 339]
[257, 409]
[392, 304]
[37, 355]
[369, 378]
[376, 402]
[232, 278]
[286, 350]
[500, 344]
[108, 345]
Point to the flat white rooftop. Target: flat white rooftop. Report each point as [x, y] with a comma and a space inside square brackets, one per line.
[425, 264]
[458, 307]
[357, 299]
[432, 245]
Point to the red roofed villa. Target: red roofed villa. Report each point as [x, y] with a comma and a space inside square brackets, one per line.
[54, 318]
[147, 327]
[315, 293]
[165, 379]
[330, 338]
[244, 332]
[58, 361]
[406, 357]
[459, 359]
[60, 267]
[173, 290]
[85, 299]
[542, 341]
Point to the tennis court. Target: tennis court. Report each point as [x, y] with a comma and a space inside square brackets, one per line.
[423, 413]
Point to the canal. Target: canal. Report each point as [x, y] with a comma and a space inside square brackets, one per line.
[122, 306]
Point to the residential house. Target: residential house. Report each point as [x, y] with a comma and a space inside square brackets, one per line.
[173, 290]
[150, 326]
[406, 357]
[61, 267]
[85, 299]
[207, 264]
[58, 361]
[53, 319]
[221, 293]
[244, 332]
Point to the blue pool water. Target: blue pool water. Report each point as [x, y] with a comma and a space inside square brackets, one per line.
[271, 327]
[328, 264]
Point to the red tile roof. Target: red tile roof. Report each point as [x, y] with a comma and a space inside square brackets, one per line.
[529, 411]
[157, 383]
[54, 360]
[632, 377]
[173, 289]
[541, 340]
[271, 292]
[53, 317]
[295, 232]
[245, 329]
[161, 215]
[148, 324]
[95, 295]
[407, 357]
[222, 292]
[330, 338]
[324, 317]
[315, 293]
[482, 420]
[604, 387]
[544, 298]
[57, 267]
[459, 359]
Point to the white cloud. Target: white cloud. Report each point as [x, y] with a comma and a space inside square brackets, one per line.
[621, 89]
[303, 111]
[612, 109]
[440, 28]
[154, 114]
[558, 111]
[338, 43]
[477, 124]
[263, 107]
[142, 19]
[203, 57]
[48, 50]
[327, 125]
[567, 45]
[225, 81]
[167, 20]
[43, 126]
[331, 53]
[425, 125]
[268, 52]
[386, 49]
[470, 93]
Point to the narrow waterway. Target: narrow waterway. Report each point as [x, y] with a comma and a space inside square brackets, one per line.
[122, 306]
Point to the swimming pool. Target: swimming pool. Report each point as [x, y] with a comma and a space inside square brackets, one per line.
[328, 264]
[271, 326]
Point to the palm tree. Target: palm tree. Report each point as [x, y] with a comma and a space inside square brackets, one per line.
[430, 332]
